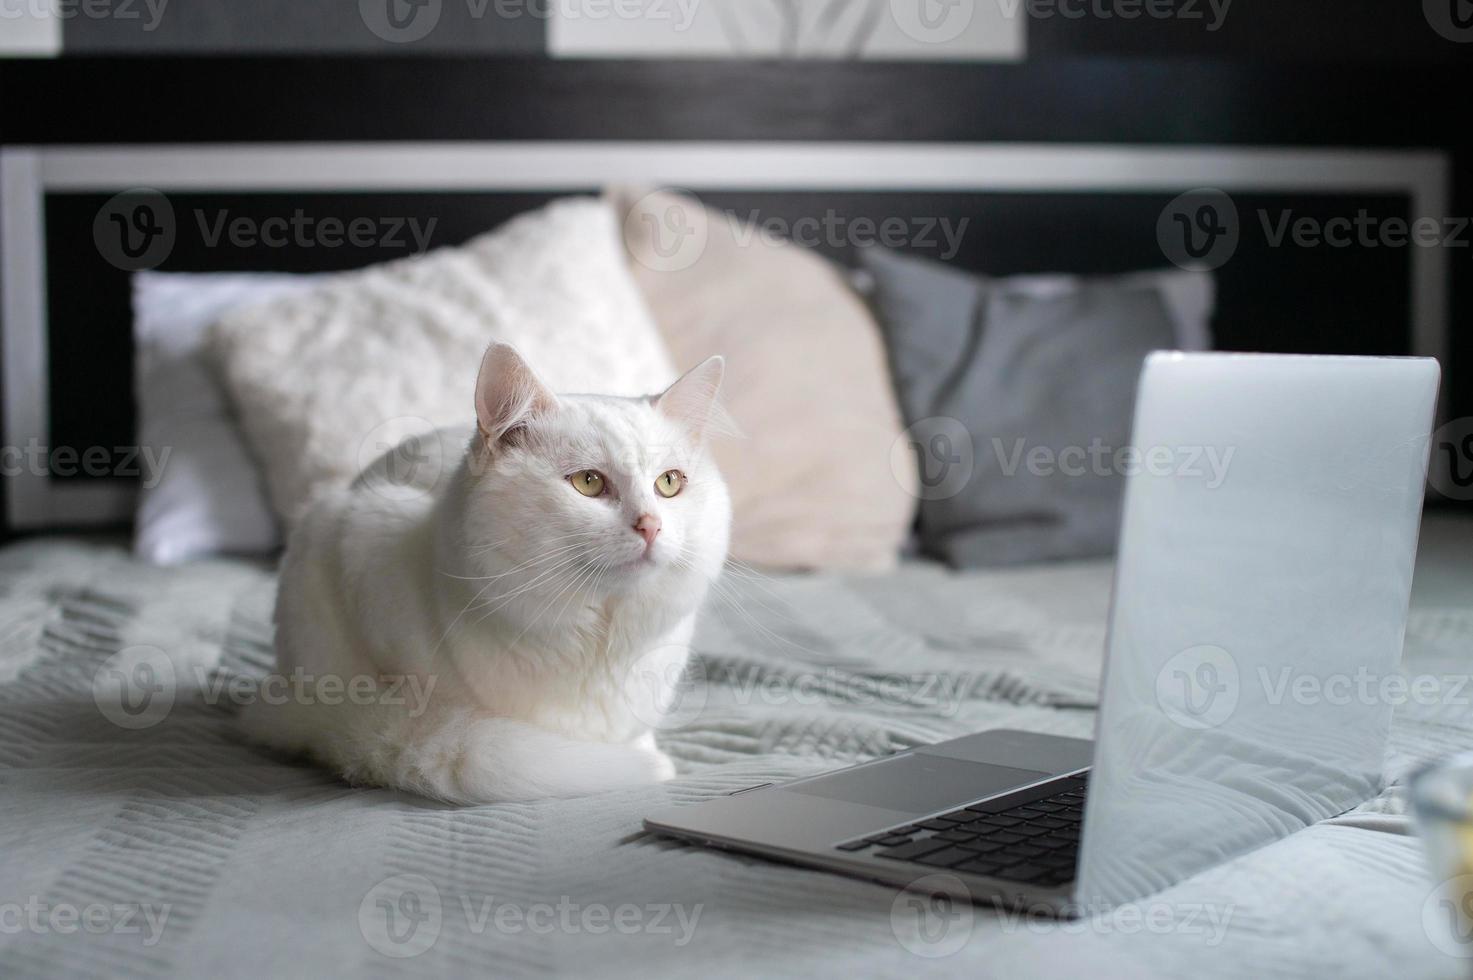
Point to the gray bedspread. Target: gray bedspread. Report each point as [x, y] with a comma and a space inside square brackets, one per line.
[154, 842]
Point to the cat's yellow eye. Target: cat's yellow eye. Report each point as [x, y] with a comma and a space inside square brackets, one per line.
[590, 483]
[670, 483]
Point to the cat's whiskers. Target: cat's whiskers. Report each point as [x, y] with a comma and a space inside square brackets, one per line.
[475, 600]
[723, 592]
[529, 563]
[547, 605]
[500, 601]
[492, 546]
[572, 592]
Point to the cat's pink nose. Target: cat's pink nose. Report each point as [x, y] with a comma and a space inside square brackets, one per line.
[647, 527]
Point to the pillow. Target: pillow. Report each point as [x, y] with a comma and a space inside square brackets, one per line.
[806, 383]
[323, 382]
[208, 498]
[1019, 394]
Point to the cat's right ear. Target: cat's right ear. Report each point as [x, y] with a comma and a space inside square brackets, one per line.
[508, 394]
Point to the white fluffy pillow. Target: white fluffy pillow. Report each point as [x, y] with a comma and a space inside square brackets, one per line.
[209, 498]
[324, 382]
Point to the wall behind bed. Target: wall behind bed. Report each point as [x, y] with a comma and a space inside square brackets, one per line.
[1350, 76]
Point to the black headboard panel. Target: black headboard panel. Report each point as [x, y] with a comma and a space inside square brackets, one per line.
[1320, 141]
[1352, 301]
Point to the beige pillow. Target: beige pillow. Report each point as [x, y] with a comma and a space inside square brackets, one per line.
[325, 381]
[806, 383]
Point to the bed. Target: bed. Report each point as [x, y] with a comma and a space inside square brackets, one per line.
[155, 842]
[198, 854]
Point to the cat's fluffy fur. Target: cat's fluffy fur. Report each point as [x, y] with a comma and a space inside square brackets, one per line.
[521, 638]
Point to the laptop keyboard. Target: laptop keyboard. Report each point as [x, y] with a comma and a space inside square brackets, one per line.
[1031, 836]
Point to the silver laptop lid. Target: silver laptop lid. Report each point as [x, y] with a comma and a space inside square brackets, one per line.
[1261, 592]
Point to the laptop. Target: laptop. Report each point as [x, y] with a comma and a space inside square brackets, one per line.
[1268, 535]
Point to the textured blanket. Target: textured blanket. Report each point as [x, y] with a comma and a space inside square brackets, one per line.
[139, 837]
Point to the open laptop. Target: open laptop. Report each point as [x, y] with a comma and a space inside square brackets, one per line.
[1258, 613]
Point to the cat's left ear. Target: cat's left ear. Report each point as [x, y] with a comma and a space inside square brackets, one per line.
[508, 394]
[693, 400]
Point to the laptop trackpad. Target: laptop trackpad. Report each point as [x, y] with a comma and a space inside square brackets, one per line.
[918, 783]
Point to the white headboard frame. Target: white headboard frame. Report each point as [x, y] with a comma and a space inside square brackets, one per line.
[28, 173]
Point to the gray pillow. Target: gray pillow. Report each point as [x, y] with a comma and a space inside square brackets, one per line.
[1018, 394]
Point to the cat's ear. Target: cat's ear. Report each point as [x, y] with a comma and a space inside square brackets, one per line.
[508, 393]
[693, 400]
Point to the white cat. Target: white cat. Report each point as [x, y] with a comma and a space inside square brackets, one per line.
[513, 629]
